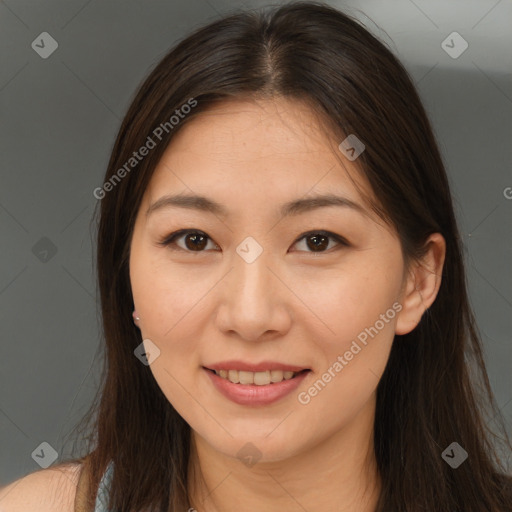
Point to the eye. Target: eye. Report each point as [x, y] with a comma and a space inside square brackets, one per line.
[196, 240]
[319, 240]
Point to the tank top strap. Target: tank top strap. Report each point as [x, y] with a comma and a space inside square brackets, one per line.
[103, 489]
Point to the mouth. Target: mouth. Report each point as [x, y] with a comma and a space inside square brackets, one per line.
[256, 388]
[261, 378]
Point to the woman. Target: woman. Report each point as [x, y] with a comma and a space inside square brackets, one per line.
[277, 221]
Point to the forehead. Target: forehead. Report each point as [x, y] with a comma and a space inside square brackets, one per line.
[254, 128]
[277, 149]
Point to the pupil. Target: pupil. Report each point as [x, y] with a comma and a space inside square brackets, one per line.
[194, 237]
[317, 245]
[319, 241]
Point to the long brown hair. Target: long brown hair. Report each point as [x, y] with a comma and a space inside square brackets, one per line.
[435, 385]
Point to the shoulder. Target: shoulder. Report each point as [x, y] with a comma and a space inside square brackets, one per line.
[46, 490]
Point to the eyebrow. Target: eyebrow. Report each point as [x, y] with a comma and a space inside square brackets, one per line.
[292, 208]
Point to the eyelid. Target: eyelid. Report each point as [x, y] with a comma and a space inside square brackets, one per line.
[169, 240]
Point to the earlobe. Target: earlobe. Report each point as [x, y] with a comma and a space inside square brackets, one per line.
[422, 285]
[136, 318]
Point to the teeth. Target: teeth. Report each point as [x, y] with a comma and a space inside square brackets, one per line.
[257, 378]
[233, 376]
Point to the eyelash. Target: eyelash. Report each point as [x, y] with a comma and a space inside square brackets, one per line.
[170, 239]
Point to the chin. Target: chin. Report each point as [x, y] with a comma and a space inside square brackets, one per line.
[257, 447]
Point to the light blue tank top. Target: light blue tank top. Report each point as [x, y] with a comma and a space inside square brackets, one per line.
[103, 489]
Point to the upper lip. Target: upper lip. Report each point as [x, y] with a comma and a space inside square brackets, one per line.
[251, 367]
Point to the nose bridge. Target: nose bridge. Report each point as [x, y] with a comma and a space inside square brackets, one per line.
[250, 300]
[252, 286]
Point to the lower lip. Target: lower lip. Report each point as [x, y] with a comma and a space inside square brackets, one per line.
[251, 394]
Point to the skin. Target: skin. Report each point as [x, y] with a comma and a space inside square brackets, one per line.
[292, 304]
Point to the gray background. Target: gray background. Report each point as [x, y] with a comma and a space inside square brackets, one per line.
[59, 117]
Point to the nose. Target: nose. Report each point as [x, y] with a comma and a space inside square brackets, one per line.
[254, 302]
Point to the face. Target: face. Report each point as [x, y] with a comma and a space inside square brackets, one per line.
[316, 289]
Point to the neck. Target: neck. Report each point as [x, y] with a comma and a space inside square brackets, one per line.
[338, 473]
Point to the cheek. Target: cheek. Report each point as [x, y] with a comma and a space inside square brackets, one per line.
[163, 295]
[352, 297]
[359, 306]
[361, 311]
[169, 306]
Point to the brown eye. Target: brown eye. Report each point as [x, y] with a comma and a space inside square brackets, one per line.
[196, 241]
[318, 241]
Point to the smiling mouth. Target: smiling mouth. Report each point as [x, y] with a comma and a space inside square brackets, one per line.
[256, 378]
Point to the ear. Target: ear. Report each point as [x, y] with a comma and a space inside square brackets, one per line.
[421, 285]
